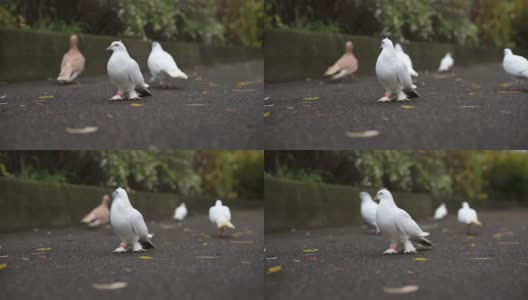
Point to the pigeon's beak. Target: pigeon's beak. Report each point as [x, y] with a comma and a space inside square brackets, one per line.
[109, 48]
[376, 199]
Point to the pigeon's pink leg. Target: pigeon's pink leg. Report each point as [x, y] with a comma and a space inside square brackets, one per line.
[385, 98]
[119, 96]
[121, 248]
[392, 249]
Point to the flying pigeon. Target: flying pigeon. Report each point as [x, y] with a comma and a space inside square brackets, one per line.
[125, 74]
[406, 59]
[368, 210]
[72, 63]
[393, 75]
[446, 63]
[180, 212]
[128, 224]
[162, 66]
[515, 65]
[468, 216]
[397, 225]
[440, 212]
[221, 216]
[345, 66]
[100, 215]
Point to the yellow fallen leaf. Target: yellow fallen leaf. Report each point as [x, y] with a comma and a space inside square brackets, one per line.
[110, 286]
[46, 97]
[43, 249]
[89, 129]
[507, 84]
[472, 94]
[274, 269]
[136, 104]
[146, 257]
[401, 290]
[204, 244]
[497, 235]
[473, 245]
[310, 250]
[3, 266]
[311, 98]
[408, 106]
[363, 134]
[421, 259]
[267, 114]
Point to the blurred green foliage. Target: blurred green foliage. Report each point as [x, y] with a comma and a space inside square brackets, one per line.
[221, 174]
[475, 175]
[212, 22]
[464, 22]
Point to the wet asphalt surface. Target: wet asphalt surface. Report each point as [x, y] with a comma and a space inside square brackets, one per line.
[349, 264]
[469, 108]
[189, 262]
[219, 107]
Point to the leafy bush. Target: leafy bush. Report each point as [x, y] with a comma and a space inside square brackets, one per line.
[507, 177]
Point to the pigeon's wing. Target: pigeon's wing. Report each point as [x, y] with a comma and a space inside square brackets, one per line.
[89, 217]
[212, 214]
[226, 212]
[403, 75]
[168, 62]
[154, 64]
[134, 73]
[77, 63]
[138, 224]
[406, 225]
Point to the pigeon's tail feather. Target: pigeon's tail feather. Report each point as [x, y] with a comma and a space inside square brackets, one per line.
[150, 235]
[423, 233]
[411, 93]
[143, 91]
[475, 222]
[177, 74]
[423, 241]
[413, 73]
[226, 223]
[332, 70]
[147, 244]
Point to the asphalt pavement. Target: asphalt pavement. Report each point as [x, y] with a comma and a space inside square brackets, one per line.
[347, 263]
[469, 108]
[219, 107]
[189, 262]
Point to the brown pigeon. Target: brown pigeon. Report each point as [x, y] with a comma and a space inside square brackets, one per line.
[345, 66]
[72, 62]
[100, 215]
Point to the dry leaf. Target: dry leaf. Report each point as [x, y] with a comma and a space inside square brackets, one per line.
[272, 258]
[89, 129]
[267, 114]
[2, 97]
[408, 106]
[311, 98]
[4, 256]
[497, 235]
[136, 104]
[310, 250]
[146, 257]
[25, 258]
[507, 84]
[196, 104]
[3, 266]
[206, 257]
[43, 249]
[363, 134]
[421, 259]
[110, 286]
[401, 290]
[508, 243]
[46, 97]
[274, 269]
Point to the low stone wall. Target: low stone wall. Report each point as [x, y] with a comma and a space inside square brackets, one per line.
[298, 55]
[28, 204]
[32, 55]
[291, 204]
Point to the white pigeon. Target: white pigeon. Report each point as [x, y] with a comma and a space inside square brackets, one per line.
[440, 212]
[468, 216]
[180, 212]
[393, 74]
[446, 63]
[406, 59]
[128, 224]
[515, 65]
[221, 216]
[162, 66]
[125, 74]
[368, 210]
[397, 225]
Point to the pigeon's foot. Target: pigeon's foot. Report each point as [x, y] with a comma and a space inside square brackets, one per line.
[390, 251]
[138, 248]
[134, 96]
[116, 97]
[402, 97]
[120, 249]
[409, 248]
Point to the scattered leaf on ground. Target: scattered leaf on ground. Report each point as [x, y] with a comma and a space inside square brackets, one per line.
[2, 97]
[136, 104]
[272, 258]
[472, 94]
[25, 258]
[196, 104]
[311, 257]
[473, 245]
[206, 257]
[468, 106]
[508, 243]
[110, 286]
[3, 103]
[146, 257]
[362, 134]
[242, 242]
[401, 290]
[4, 256]
[421, 259]
[3, 266]
[506, 84]
[43, 249]
[267, 114]
[310, 250]
[85, 130]
[481, 258]
[311, 98]
[274, 269]
[497, 235]
[269, 105]
[46, 97]
[244, 90]
[408, 106]
[296, 260]
[470, 237]
[267, 98]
